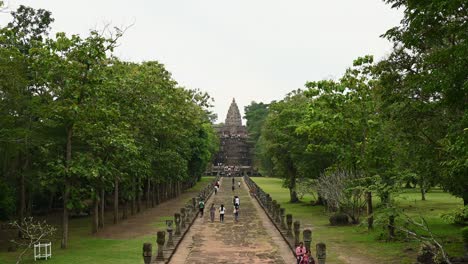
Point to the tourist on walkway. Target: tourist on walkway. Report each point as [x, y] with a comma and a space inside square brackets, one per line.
[236, 201]
[222, 210]
[300, 251]
[236, 213]
[307, 258]
[233, 181]
[201, 206]
[233, 187]
[238, 183]
[212, 212]
[216, 189]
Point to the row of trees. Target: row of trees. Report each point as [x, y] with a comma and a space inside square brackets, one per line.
[77, 125]
[402, 119]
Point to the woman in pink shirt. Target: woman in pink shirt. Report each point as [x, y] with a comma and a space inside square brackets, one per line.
[300, 251]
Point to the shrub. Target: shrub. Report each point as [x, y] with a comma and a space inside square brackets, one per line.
[339, 219]
[464, 232]
[458, 216]
[343, 191]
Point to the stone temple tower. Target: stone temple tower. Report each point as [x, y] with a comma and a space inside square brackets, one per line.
[233, 117]
[234, 156]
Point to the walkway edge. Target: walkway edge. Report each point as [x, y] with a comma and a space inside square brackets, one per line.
[285, 238]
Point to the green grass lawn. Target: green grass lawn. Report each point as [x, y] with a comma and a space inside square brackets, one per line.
[85, 248]
[356, 241]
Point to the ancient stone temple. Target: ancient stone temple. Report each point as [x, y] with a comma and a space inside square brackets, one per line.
[234, 156]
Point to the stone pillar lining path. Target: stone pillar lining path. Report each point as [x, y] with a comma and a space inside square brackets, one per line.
[251, 240]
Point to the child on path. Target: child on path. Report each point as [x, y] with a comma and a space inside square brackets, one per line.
[212, 212]
[307, 258]
[201, 206]
[221, 213]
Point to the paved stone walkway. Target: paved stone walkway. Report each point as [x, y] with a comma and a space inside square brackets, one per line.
[251, 240]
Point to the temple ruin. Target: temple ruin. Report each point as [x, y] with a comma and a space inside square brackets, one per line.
[235, 152]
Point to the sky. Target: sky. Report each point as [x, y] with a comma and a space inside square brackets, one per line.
[250, 50]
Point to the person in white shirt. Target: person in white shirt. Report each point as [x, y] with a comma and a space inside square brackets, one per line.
[222, 210]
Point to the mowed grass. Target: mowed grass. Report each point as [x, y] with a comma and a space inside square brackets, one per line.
[85, 248]
[348, 244]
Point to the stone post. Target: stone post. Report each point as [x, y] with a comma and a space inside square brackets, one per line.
[307, 235]
[182, 216]
[177, 221]
[188, 213]
[170, 240]
[282, 212]
[278, 213]
[297, 229]
[161, 238]
[273, 209]
[194, 202]
[268, 201]
[321, 253]
[147, 252]
[289, 220]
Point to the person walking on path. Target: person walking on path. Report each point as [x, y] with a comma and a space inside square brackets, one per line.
[212, 212]
[222, 210]
[237, 201]
[233, 181]
[201, 206]
[238, 184]
[236, 213]
[300, 251]
[233, 187]
[307, 258]
[216, 189]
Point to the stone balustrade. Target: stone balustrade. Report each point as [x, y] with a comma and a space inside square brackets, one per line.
[183, 221]
[289, 229]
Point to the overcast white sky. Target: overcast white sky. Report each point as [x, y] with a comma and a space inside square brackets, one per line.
[253, 50]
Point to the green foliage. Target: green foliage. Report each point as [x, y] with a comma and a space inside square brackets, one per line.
[256, 114]
[464, 232]
[75, 120]
[424, 89]
[458, 216]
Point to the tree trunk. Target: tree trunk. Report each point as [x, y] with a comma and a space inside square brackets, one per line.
[50, 204]
[292, 183]
[139, 196]
[116, 201]
[148, 189]
[423, 193]
[158, 193]
[370, 211]
[66, 193]
[101, 208]
[95, 225]
[22, 209]
[153, 196]
[133, 201]
[391, 226]
[124, 210]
